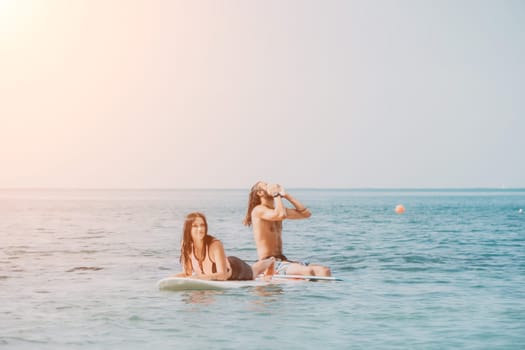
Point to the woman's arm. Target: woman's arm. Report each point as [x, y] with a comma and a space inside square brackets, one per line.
[218, 256]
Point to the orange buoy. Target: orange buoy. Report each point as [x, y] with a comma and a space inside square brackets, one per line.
[400, 209]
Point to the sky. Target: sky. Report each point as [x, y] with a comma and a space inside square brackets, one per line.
[221, 94]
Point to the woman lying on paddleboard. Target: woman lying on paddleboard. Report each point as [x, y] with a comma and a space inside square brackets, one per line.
[203, 256]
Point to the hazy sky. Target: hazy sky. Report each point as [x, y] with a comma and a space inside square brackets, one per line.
[220, 94]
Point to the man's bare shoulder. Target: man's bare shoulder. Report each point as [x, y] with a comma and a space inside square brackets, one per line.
[258, 210]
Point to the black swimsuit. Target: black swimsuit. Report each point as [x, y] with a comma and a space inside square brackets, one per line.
[241, 271]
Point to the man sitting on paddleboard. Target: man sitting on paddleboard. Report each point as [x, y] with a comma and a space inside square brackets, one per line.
[266, 212]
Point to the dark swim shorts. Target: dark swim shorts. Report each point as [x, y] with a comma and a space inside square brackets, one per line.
[241, 271]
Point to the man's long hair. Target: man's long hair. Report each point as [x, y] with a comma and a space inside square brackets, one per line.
[253, 201]
[186, 246]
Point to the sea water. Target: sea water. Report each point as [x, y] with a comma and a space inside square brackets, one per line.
[78, 270]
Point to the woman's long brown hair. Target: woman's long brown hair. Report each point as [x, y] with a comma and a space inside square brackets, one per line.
[186, 245]
[253, 201]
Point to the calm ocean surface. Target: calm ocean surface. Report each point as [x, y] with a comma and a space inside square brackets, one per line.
[78, 270]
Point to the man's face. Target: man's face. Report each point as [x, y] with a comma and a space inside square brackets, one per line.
[262, 190]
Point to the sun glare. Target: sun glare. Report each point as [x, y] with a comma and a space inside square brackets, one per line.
[15, 15]
[6, 4]
[7, 11]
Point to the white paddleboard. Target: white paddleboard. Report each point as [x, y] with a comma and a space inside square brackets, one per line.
[184, 283]
[304, 277]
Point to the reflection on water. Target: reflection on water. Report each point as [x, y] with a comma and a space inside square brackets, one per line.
[269, 290]
[265, 297]
[260, 295]
[205, 297]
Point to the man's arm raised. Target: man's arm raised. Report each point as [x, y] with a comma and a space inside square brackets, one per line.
[300, 211]
[276, 214]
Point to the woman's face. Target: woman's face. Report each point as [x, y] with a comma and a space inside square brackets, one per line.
[198, 229]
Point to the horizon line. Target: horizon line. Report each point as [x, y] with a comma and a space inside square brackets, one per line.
[240, 188]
